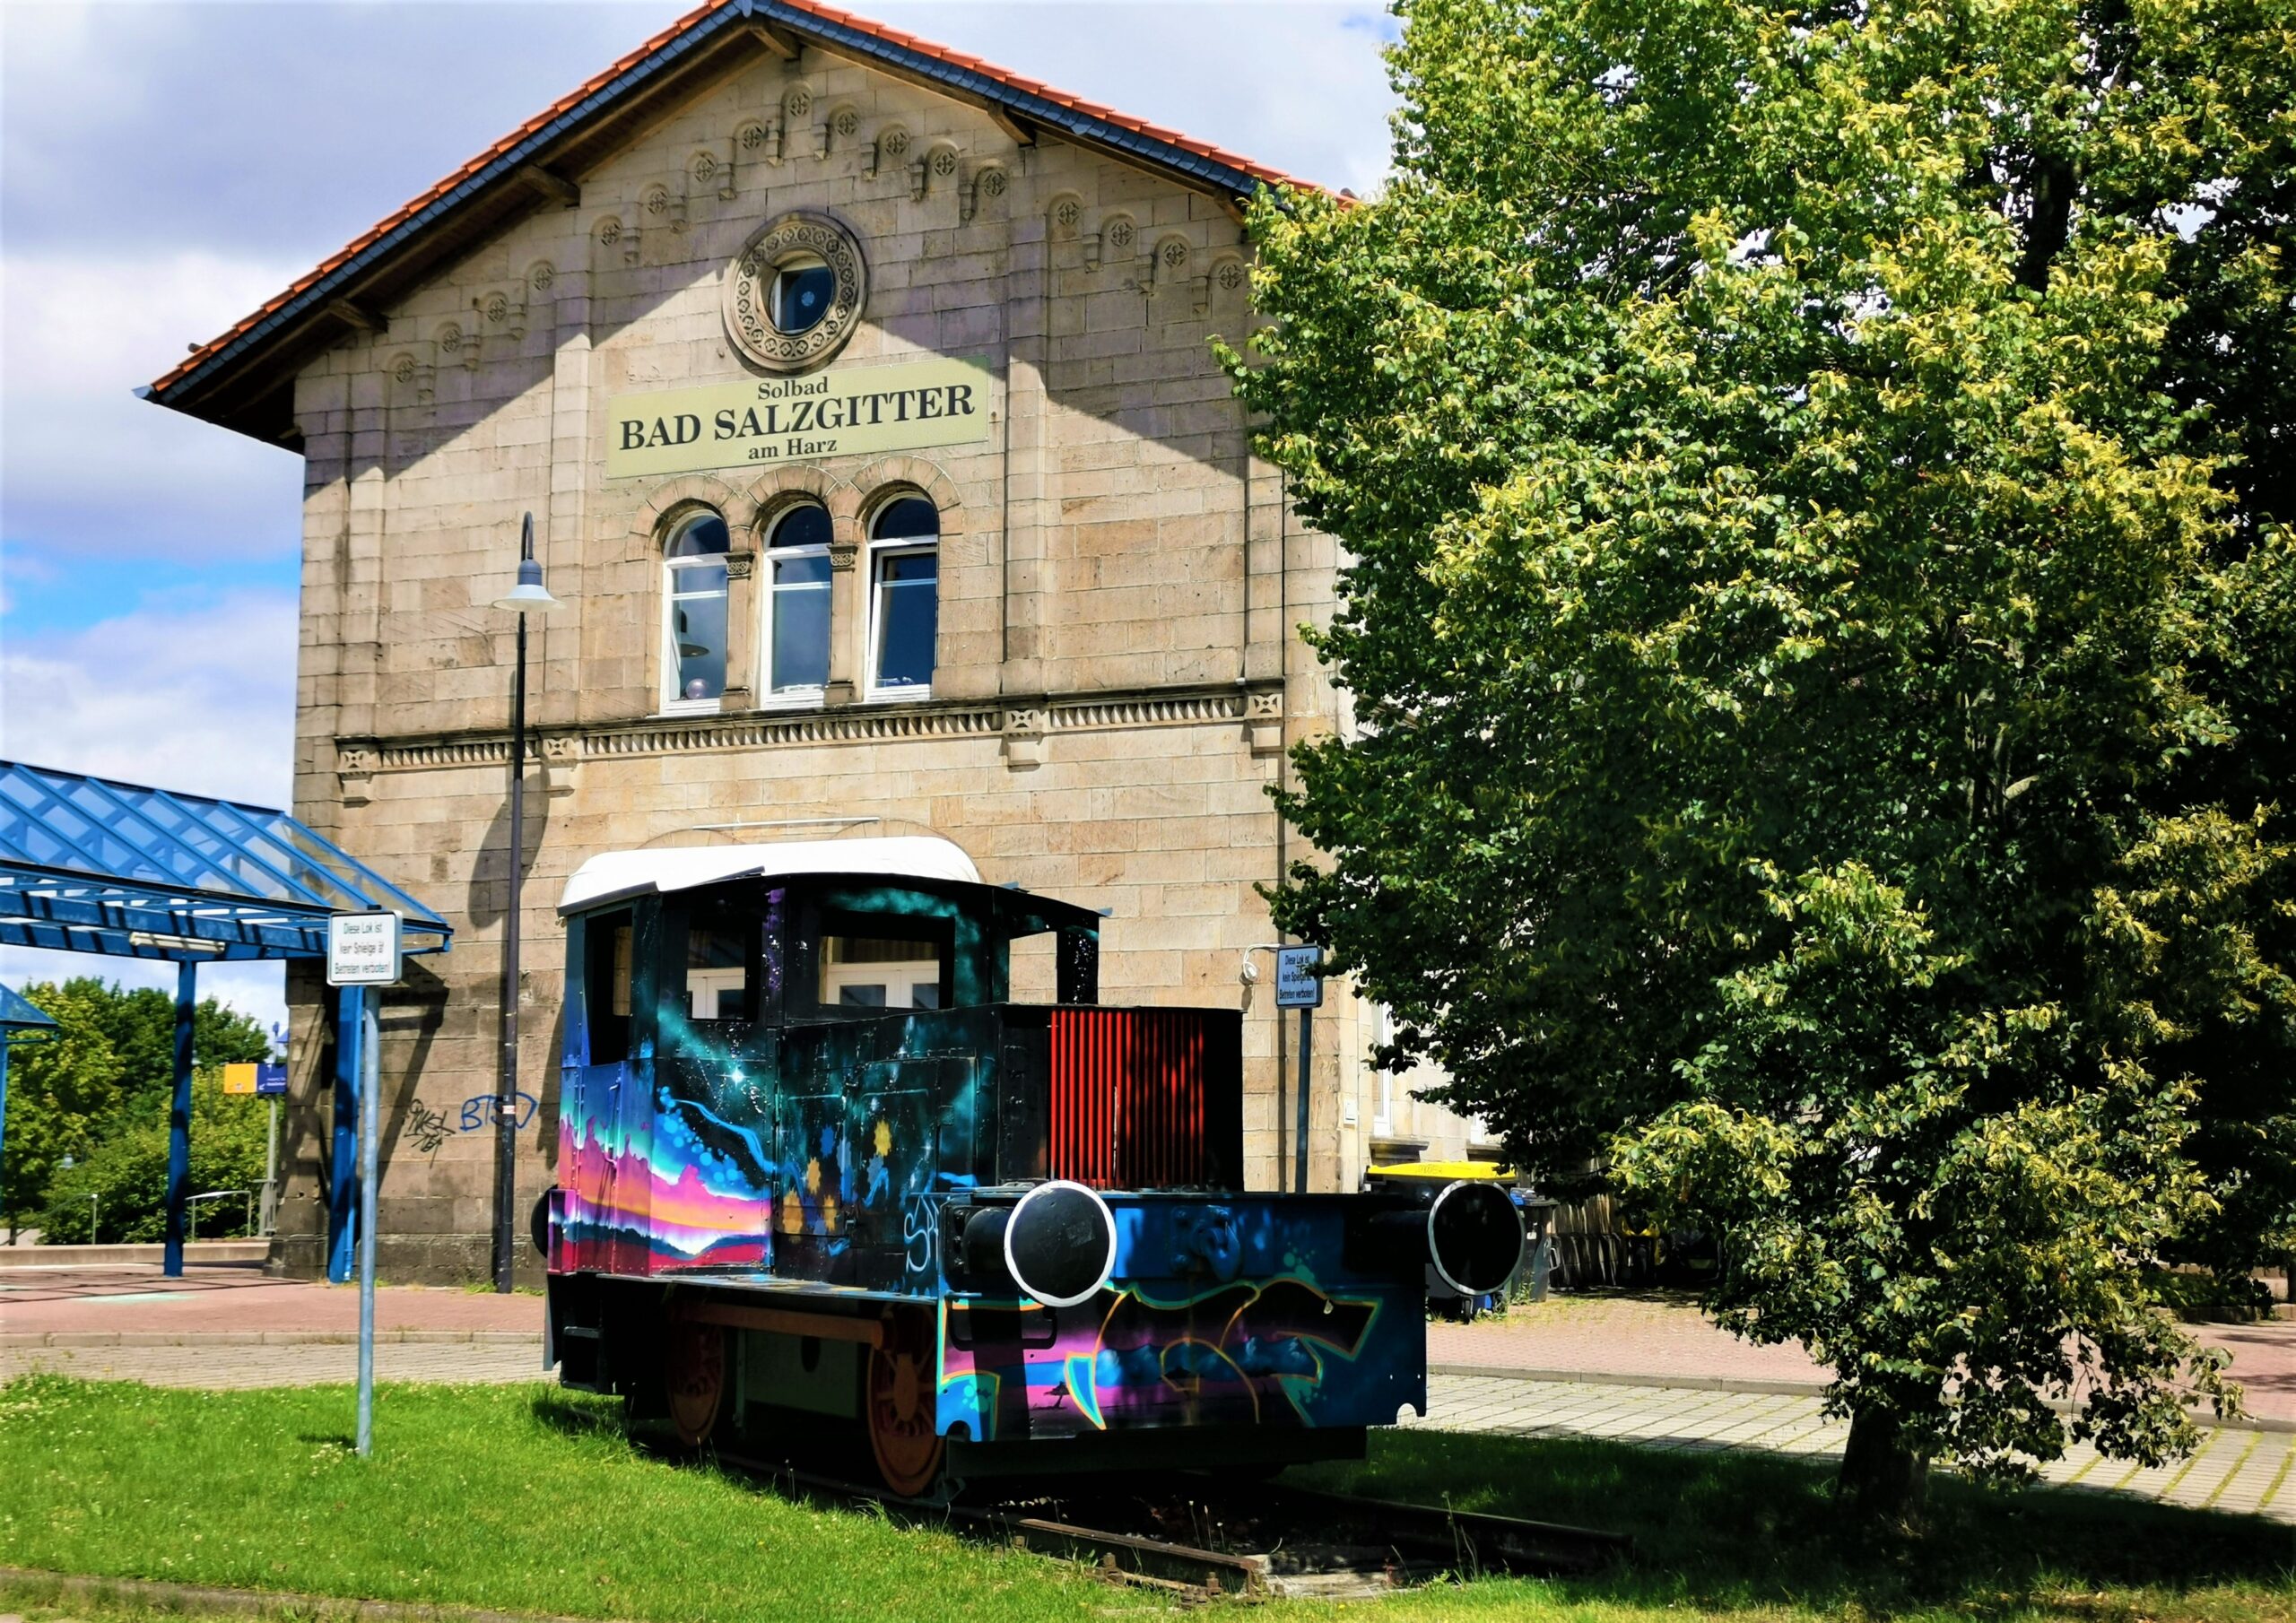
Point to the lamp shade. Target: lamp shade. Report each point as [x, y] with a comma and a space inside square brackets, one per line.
[529, 596]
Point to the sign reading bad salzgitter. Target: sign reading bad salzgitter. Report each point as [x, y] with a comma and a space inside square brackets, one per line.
[845, 411]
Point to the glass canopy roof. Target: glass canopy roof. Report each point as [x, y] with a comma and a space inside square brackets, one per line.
[21, 1017]
[91, 865]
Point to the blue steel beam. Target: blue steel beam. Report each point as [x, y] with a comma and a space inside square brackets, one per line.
[119, 917]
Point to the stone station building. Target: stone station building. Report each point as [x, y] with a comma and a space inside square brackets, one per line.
[864, 399]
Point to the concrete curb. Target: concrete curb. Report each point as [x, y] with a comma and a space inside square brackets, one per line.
[23, 1584]
[261, 1337]
[1754, 1388]
[133, 1255]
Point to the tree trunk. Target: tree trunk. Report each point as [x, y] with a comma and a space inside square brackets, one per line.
[1883, 1477]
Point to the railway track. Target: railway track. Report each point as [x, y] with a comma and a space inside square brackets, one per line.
[1190, 1534]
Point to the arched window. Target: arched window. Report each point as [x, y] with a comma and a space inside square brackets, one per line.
[904, 596]
[693, 598]
[797, 610]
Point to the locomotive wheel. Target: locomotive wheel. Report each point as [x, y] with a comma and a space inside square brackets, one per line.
[693, 1378]
[899, 1409]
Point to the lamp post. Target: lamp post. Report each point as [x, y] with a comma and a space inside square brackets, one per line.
[527, 596]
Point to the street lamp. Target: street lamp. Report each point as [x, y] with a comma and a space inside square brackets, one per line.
[528, 597]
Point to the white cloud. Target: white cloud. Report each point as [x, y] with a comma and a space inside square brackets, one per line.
[192, 696]
[90, 471]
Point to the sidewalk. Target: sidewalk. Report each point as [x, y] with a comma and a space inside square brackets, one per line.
[94, 1306]
[2232, 1470]
[1661, 1340]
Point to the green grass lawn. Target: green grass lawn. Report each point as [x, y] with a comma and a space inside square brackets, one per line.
[522, 1499]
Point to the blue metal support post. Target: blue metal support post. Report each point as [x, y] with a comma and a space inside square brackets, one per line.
[179, 1118]
[342, 1189]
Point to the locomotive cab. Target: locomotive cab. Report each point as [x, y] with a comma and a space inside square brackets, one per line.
[813, 1158]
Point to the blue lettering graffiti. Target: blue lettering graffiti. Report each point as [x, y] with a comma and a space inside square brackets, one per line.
[479, 1112]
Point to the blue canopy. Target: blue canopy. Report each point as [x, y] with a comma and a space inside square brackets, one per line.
[91, 865]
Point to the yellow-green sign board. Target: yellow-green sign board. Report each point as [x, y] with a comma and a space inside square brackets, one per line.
[846, 411]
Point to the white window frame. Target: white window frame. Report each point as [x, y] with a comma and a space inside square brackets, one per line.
[786, 698]
[897, 546]
[672, 702]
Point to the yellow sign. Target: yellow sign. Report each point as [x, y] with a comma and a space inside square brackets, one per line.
[239, 1079]
[843, 412]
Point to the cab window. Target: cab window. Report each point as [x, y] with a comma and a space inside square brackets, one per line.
[871, 962]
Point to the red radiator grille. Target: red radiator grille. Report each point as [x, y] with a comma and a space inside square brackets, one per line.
[1128, 1089]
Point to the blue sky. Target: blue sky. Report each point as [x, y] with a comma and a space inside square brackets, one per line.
[166, 167]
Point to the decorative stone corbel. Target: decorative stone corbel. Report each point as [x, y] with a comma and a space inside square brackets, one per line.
[1024, 730]
[887, 151]
[740, 566]
[503, 311]
[416, 371]
[985, 182]
[354, 769]
[1264, 723]
[662, 206]
[757, 142]
[457, 347]
[797, 113]
[712, 172]
[562, 763]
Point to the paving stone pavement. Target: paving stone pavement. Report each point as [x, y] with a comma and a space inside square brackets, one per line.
[2233, 1470]
[237, 1365]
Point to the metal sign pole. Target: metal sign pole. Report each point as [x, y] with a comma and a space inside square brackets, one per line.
[1299, 1171]
[368, 1136]
[1299, 985]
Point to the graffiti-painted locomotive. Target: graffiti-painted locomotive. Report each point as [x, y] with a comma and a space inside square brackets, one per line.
[813, 1161]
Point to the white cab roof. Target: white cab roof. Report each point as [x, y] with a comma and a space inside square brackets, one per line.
[620, 874]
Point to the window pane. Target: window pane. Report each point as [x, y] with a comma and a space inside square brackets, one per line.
[908, 619]
[925, 994]
[910, 515]
[801, 527]
[801, 571]
[606, 986]
[861, 997]
[698, 632]
[699, 537]
[801, 634]
[802, 296]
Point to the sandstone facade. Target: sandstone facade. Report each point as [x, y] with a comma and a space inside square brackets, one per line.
[1117, 672]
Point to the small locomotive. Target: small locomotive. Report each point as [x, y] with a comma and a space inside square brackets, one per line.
[814, 1167]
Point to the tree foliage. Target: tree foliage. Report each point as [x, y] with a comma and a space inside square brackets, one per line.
[1818, 618]
[118, 1194]
[108, 1069]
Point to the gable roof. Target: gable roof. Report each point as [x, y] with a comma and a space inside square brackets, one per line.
[244, 379]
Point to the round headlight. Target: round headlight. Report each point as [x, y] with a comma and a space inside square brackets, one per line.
[1475, 1237]
[1060, 1244]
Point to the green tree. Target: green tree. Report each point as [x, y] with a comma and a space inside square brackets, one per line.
[109, 1068]
[1815, 626]
[126, 1173]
